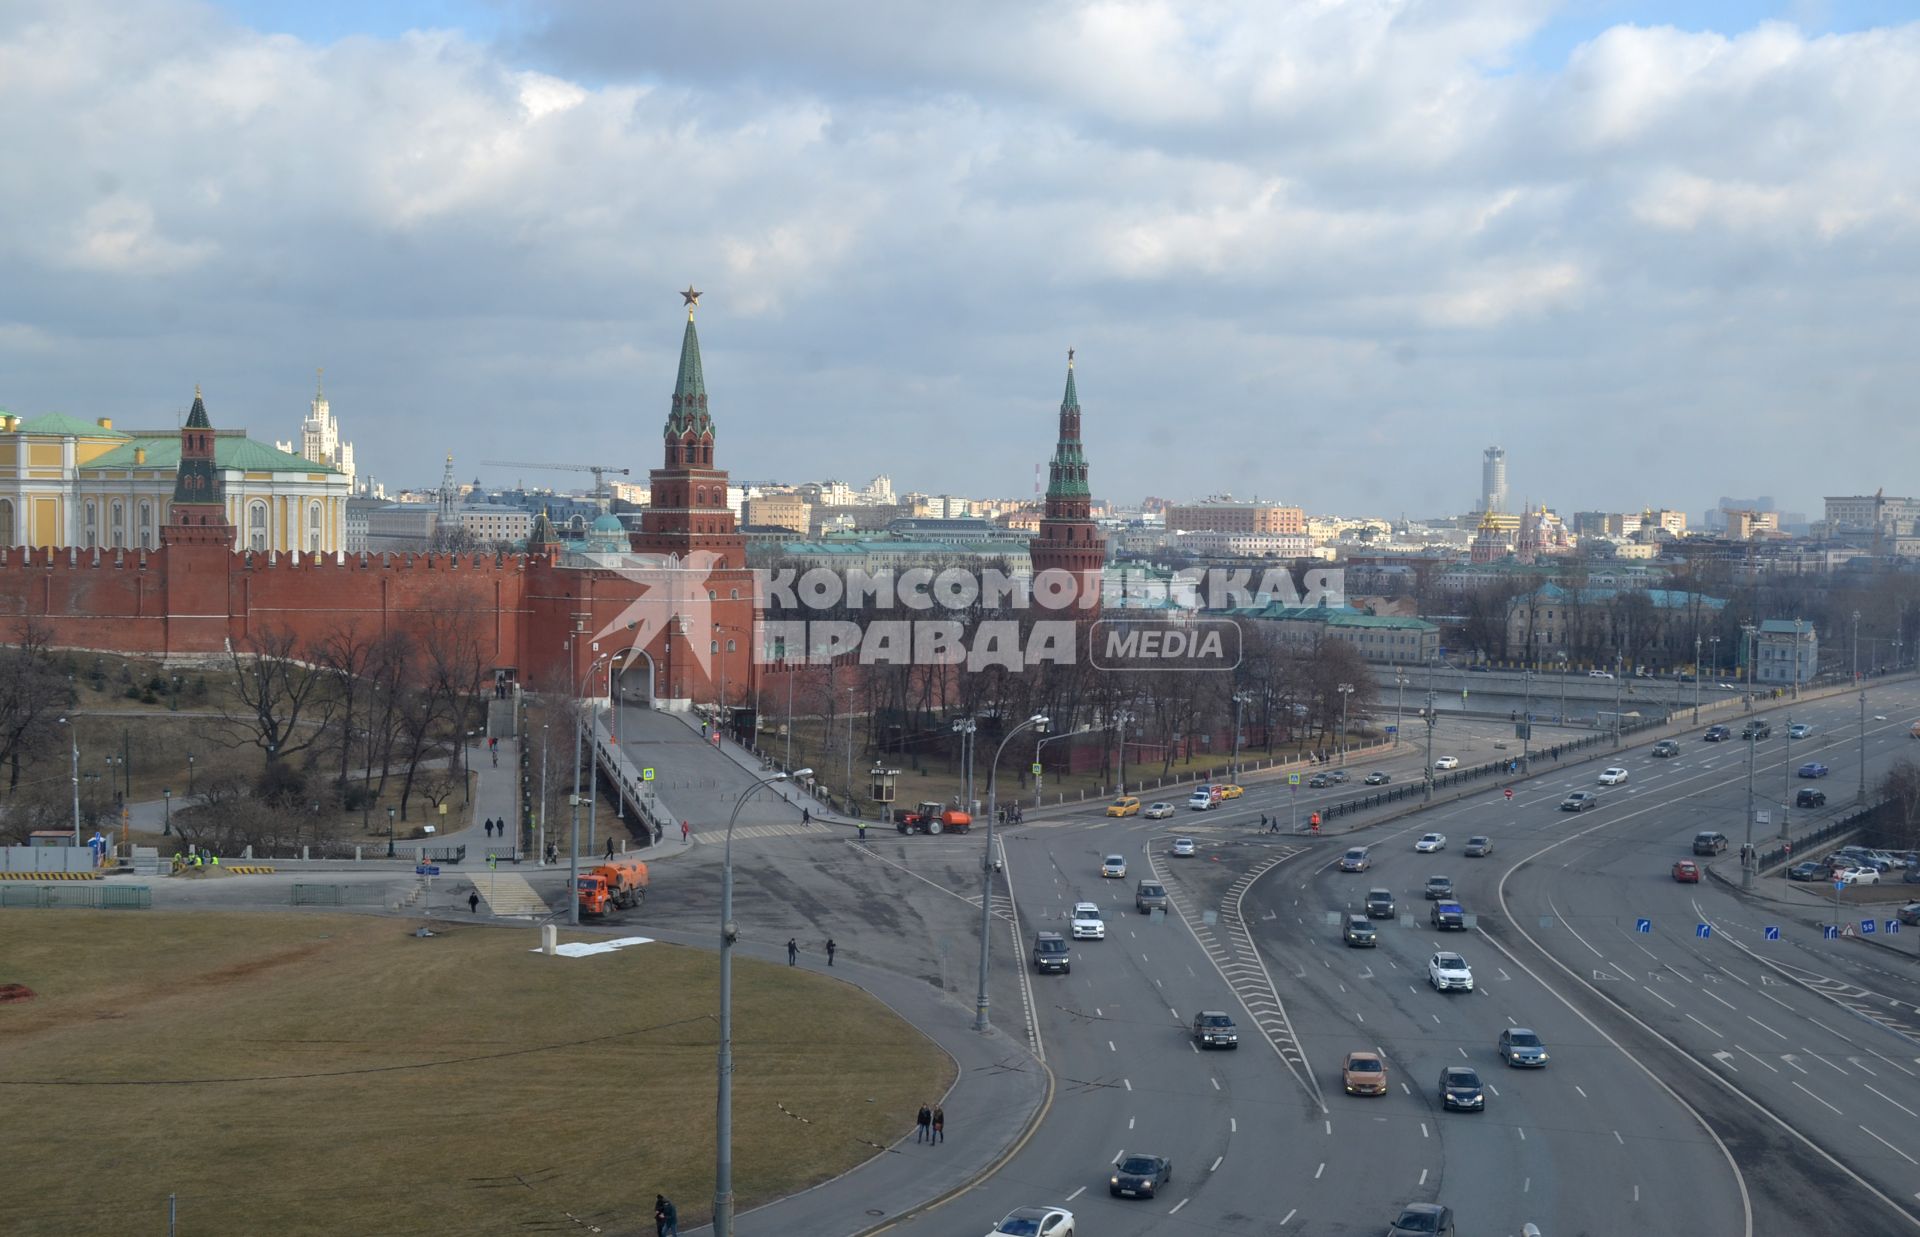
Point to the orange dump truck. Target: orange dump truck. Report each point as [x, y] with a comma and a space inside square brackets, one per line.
[619, 884]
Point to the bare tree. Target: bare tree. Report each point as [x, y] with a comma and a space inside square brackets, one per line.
[283, 703]
[32, 691]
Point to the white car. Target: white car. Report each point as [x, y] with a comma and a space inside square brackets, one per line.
[1158, 811]
[1087, 924]
[1449, 972]
[1430, 842]
[1613, 777]
[1201, 800]
[1035, 1222]
[1799, 730]
[1183, 847]
[1447, 762]
[1857, 876]
[1599, 674]
[1114, 866]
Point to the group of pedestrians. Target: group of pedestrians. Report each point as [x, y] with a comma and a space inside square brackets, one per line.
[793, 951]
[1012, 814]
[932, 1125]
[495, 828]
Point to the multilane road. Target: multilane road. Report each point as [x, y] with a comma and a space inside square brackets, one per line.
[1722, 1083]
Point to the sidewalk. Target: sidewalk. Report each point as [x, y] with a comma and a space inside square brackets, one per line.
[998, 1095]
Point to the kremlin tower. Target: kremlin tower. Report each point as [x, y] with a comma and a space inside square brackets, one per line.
[1069, 541]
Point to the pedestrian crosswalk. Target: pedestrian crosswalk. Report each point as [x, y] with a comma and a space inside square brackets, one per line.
[717, 837]
[508, 893]
[1002, 905]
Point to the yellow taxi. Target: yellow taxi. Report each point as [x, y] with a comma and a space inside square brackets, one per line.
[1229, 791]
[1126, 805]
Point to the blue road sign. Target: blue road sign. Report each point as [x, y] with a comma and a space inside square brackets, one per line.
[1839, 884]
[433, 869]
[1643, 925]
[1393, 730]
[1891, 925]
[1703, 930]
[1829, 931]
[419, 869]
[1773, 933]
[1866, 927]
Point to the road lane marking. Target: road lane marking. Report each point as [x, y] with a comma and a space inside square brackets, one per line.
[1423, 1130]
[1077, 1193]
[1618, 1139]
[1815, 1095]
[1663, 1000]
[1576, 1087]
[1729, 1004]
[1705, 1025]
[1329, 1128]
[1816, 1056]
[1110, 1047]
[1758, 1059]
[1127, 1083]
[1889, 1146]
[1423, 1176]
[1216, 1083]
[1522, 1133]
[1216, 1164]
[1177, 1206]
[1289, 1216]
[1896, 1103]
[1763, 1026]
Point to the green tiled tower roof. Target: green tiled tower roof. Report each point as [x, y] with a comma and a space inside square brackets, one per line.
[689, 390]
[1067, 474]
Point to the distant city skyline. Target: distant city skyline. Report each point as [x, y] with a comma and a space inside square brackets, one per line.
[1325, 254]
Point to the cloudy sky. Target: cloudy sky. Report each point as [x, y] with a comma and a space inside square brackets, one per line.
[1309, 250]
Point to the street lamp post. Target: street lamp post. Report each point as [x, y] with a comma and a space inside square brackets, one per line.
[1399, 699]
[166, 797]
[965, 728]
[1856, 646]
[1747, 864]
[73, 733]
[390, 851]
[723, 1099]
[1346, 690]
[1428, 775]
[543, 794]
[1526, 720]
[1747, 633]
[1238, 700]
[980, 1022]
[190, 772]
[1697, 671]
[1861, 793]
[1797, 625]
[1123, 720]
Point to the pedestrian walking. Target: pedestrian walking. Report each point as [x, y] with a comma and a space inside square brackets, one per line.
[473, 902]
[830, 948]
[925, 1121]
[609, 848]
[939, 1124]
[685, 829]
[862, 826]
[793, 951]
[806, 816]
[666, 1217]
[659, 831]
[1263, 822]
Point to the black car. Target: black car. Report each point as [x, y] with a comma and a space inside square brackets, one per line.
[1909, 914]
[1439, 887]
[1807, 870]
[1359, 933]
[1460, 1089]
[1666, 747]
[1377, 778]
[1809, 797]
[1139, 1176]
[1449, 917]
[1337, 775]
[1423, 1220]
[1319, 781]
[1050, 954]
[1717, 734]
[1757, 729]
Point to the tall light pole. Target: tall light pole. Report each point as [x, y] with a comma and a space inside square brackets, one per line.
[1346, 690]
[1428, 775]
[1526, 720]
[1619, 668]
[1747, 864]
[1797, 625]
[980, 1022]
[965, 728]
[1399, 694]
[1861, 793]
[1239, 698]
[723, 1098]
[1698, 671]
[1122, 721]
[73, 733]
[1856, 646]
[1747, 631]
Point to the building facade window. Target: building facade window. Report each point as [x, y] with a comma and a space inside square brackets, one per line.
[6, 522]
[146, 524]
[119, 524]
[313, 527]
[257, 525]
[90, 525]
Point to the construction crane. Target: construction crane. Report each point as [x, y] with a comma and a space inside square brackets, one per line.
[600, 472]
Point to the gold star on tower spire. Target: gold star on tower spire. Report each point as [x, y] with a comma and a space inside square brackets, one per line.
[692, 298]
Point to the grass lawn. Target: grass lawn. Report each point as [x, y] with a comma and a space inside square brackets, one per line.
[326, 1074]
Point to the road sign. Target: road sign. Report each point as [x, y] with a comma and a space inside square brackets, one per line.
[1829, 931]
[1643, 925]
[1762, 816]
[1293, 779]
[419, 869]
[1703, 930]
[1036, 768]
[1892, 925]
[646, 775]
[432, 869]
[1839, 884]
[1509, 794]
[1773, 933]
[1866, 927]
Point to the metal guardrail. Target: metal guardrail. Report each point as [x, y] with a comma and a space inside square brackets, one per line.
[80, 896]
[339, 895]
[1808, 843]
[614, 765]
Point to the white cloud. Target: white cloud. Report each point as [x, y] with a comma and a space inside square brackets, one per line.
[1363, 215]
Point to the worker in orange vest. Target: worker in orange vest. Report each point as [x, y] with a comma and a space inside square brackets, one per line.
[1313, 823]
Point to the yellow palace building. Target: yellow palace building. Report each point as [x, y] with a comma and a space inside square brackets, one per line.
[66, 483]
